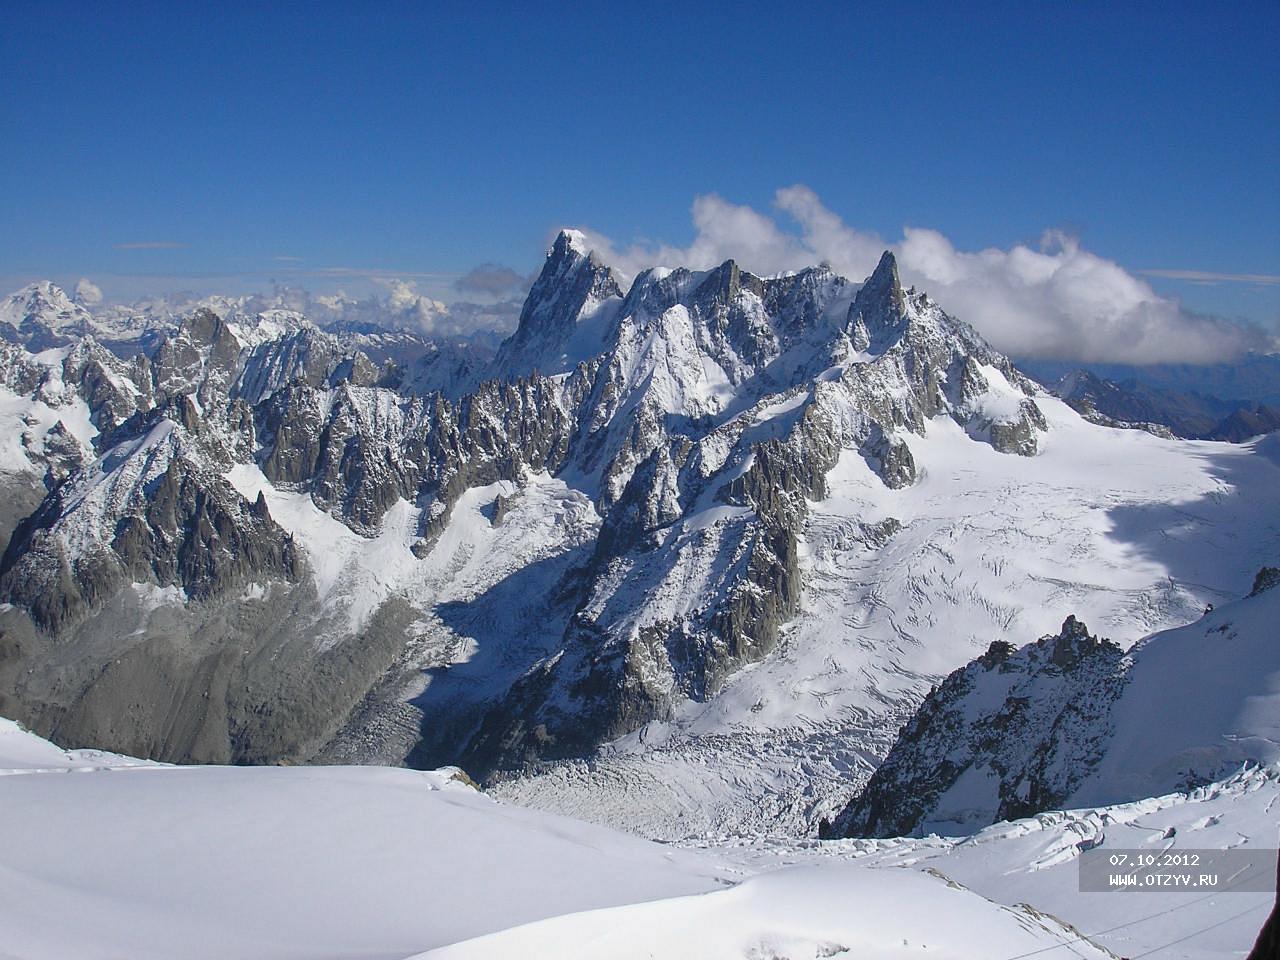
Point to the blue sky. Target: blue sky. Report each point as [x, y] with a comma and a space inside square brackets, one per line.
[150, 146]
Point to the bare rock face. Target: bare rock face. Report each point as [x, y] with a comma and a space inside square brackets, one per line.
[197, 535]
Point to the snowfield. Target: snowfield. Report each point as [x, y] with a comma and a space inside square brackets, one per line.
[830, 910]
[104, 857]
[1035, 861]
[100, 859]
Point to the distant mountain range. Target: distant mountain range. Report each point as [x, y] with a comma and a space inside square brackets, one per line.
[1229, 402]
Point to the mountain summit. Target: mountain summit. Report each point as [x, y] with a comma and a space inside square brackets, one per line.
[564, 316]
[41, 315]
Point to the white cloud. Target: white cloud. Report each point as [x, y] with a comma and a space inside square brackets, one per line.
[409, 308]
[403, 293]
[87, 292]
[1058, 301]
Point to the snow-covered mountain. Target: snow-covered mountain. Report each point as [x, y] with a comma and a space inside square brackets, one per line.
[1072, 720]
[713, 516]
[41, 315]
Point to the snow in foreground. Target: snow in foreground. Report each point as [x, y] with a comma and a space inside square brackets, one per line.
[879, 898]
[1035, 861]
[99, 860]
[831, 910]
[104, 857]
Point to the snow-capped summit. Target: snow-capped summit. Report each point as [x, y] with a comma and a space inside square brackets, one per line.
[41, 315]
[576, 240]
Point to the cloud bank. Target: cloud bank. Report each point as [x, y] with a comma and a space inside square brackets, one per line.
[1059, 301]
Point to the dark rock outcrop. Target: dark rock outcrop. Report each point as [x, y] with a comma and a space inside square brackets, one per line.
[1268, 578]
[1021, 727]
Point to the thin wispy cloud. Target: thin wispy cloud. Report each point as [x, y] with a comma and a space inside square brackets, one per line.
[288, 259]
[1059, 301]
[151, 245]
[1209, 276]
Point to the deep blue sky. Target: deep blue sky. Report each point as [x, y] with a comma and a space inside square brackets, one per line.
[427, 138]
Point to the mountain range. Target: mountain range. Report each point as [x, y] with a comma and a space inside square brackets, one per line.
[701, 515]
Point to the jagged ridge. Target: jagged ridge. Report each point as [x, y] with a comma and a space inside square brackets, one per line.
[700, 412]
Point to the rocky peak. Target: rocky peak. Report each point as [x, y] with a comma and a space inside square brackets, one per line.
[1071, 627]
[307, 355]
[573, 285]
[570, 277]
[260, 508]
[801, 300]
[1030, 722]
[723, 284]
[206, 329]
[878, 314]
[997, 653]
[884, 287]
[199, 357]
[1072, 642]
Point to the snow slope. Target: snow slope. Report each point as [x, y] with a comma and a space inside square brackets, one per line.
[829, 910]
[354, 574]
[101, 858]
[1199, 699]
